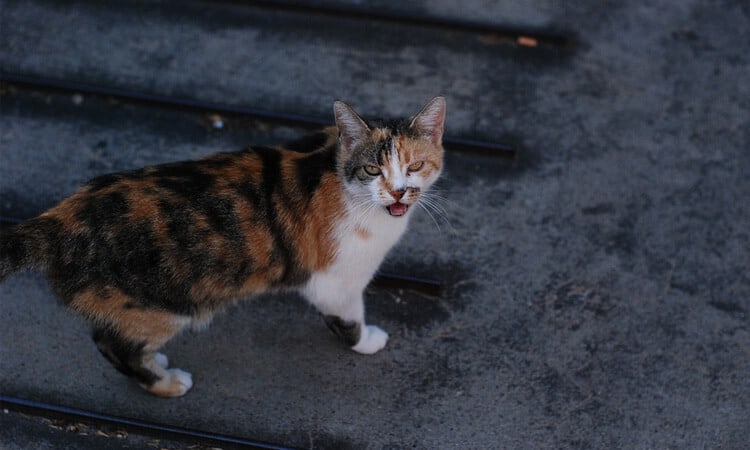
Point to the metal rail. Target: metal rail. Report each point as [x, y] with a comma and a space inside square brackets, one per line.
[50, 411]
[42, 82]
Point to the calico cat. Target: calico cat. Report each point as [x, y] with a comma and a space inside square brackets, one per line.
[146, 253]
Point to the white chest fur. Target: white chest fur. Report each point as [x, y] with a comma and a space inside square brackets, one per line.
[362, 246]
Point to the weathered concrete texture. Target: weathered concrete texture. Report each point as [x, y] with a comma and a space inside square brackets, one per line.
[598, 288]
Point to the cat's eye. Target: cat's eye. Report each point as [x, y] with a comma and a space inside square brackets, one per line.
[413, 167]
[372, 170]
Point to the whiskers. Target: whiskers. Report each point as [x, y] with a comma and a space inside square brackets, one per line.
[361, 207]
[432, 203]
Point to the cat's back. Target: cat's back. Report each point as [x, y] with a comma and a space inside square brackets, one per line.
[239, 220]
[209, 187]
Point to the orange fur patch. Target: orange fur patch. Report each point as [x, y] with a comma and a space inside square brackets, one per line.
[364, 234]
[314, 238]
[136, 324]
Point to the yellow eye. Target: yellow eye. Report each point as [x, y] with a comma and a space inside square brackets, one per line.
[372, 170]
[413, 167]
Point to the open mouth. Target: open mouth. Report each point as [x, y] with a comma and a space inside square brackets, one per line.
[397, 209]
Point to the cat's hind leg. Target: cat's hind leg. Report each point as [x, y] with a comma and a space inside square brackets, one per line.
[162, 360]
[129, 336]
[138, 361]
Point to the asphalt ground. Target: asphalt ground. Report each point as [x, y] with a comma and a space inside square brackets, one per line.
[596, 286]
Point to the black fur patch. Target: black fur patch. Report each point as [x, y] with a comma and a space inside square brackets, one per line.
[349, 332]
[126, 356]
[103, 181]
[252, 193]
[98, 211]
[186, 180]
[310, 170]
[383, 150]
[274, 191]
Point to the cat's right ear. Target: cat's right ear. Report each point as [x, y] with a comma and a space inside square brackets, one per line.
[352, 128]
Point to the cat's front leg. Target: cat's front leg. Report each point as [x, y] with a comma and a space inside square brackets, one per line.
[372, 340]
[366, 340]
[344, 312]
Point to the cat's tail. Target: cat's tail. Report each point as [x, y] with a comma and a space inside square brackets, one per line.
[23, 245]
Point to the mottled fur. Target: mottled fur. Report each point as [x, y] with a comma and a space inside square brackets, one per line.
[144, 254]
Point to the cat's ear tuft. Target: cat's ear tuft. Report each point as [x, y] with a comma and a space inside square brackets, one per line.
[430, 121]
[351, 127]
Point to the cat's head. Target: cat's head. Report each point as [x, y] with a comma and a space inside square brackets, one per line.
[391, 165]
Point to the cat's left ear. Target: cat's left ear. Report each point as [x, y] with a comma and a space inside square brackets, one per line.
[352, 128]
[430, 121]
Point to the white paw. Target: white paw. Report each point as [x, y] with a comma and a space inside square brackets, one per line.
[175, 383]
[372, 340]
[182, 378]
[162, 360]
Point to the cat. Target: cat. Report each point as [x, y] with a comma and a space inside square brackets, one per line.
[146, 253]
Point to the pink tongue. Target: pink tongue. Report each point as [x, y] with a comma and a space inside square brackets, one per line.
[398, 209]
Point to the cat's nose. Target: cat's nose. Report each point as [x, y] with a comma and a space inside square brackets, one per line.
[397, 194]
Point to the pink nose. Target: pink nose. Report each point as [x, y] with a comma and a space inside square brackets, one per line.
[398, 194]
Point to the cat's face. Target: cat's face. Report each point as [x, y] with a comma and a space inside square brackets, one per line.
[390, 167]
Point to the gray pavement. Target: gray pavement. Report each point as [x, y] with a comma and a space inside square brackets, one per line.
[598, 288]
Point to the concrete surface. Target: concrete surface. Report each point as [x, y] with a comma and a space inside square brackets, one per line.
[598, 288]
